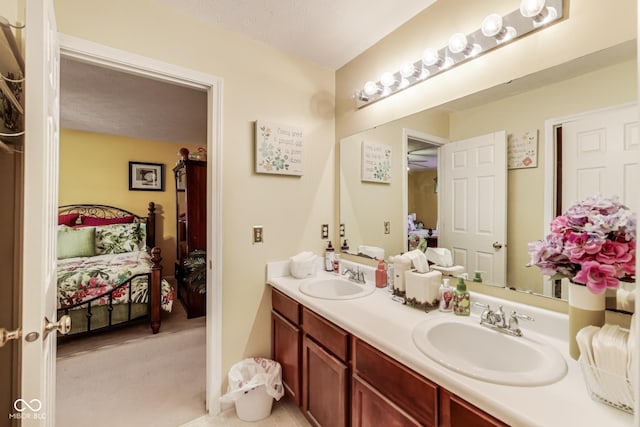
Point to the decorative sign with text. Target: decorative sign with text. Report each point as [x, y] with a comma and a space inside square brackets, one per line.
[278, 149]
[376, 162]
[522, 150]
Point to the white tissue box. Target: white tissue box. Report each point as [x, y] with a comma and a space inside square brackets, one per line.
[423, 287]
[301, 269]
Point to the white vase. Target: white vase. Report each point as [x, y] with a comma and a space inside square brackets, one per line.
[585, 308]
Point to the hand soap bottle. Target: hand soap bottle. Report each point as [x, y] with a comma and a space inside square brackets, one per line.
[381, 274]
[461, 299]
[329, 256]
[446, 297]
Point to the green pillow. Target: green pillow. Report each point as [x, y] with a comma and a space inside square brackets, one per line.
[76, 242]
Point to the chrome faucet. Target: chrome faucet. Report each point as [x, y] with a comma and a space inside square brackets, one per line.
[496, 320]
[354, 275]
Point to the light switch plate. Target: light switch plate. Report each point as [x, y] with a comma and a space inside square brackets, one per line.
[387, 227]
[325, 231]
[257, 234]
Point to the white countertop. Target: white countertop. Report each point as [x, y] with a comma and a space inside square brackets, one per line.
[388, 326]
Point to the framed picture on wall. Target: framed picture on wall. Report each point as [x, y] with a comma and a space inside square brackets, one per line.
[146, 176]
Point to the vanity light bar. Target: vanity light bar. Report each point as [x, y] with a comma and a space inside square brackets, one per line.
[494, 32]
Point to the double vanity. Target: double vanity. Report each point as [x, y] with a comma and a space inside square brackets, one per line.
[352, 356]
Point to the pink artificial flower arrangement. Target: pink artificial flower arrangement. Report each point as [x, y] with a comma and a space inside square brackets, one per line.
[592, 243]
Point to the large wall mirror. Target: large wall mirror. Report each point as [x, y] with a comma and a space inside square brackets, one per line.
[375, 213]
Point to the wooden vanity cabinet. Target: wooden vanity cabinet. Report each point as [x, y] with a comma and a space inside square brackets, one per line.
[286, 341]
[325, 371]
[381, 384]
[339, 380]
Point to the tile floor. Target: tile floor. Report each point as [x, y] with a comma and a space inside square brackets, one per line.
[283, 414]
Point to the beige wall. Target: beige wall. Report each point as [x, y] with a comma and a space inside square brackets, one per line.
[94, 168]
[259, 83]
[422, 198]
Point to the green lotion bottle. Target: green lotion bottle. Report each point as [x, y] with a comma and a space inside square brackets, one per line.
[461, 299]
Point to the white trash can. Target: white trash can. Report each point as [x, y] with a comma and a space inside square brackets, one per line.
[254, 404]
[253, 384]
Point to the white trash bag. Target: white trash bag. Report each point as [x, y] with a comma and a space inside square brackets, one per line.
[253, 384]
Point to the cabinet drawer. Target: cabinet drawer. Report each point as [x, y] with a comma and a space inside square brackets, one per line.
[286, 306]
[457, 412]
[407, 389]
[330, 336]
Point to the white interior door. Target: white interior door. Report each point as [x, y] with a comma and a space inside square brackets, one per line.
[599, 155]
[473, 196]
[42, 55]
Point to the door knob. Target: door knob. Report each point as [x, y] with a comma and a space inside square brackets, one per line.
[6, 336]
[63, 325]
[497, 245]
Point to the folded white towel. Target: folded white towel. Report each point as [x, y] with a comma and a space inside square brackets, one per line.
[303, 265]
[371, 251]
[419, 260]
[303, 256]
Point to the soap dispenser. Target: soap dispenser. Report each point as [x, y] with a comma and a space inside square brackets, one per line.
[446, 296]
[381, 274]
[329, 256]
[461, 299]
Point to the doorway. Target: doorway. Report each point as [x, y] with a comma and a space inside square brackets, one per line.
[114, 59]
[420, 183]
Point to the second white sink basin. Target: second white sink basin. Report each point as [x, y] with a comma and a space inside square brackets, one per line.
[463, 345]
[335, 288]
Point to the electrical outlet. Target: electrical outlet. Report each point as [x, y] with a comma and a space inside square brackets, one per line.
[387, 227]
[341, 230]
[325, 231]
[257, 234]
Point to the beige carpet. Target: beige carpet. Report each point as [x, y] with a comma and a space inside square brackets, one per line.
[133, 378]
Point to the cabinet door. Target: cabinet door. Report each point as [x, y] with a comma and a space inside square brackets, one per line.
[286, 351]
[457, 412]
[324, 386]
[369, 408]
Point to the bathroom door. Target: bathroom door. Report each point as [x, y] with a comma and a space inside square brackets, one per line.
[42, 59]
[599, 155]
[473, 195]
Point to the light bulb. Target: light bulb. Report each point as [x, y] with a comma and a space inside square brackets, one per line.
[430, 57]
[387, 79]
[371, 88]
[458, 43]
[407, 70]
[531, 8]
[492, 25]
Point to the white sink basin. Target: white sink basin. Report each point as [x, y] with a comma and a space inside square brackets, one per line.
[335, 288]
[463, 345]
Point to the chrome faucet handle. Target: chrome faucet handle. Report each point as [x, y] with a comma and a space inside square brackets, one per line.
[513, 322]
[487, 314]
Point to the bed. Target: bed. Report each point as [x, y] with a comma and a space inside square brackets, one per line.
[108, 269]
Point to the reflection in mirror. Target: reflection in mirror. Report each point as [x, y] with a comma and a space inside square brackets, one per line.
[595, 82]
[422, 192]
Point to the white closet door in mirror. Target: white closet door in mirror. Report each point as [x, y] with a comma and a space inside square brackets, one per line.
[599, 156]
[473, 195]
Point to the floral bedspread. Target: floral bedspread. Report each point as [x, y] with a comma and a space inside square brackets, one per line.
[82, 279]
